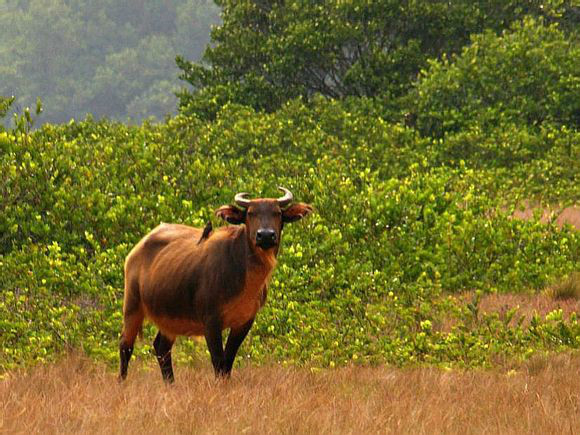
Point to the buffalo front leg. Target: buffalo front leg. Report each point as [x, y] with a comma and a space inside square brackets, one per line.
[162, 346]
[213, 338]
[235, 339]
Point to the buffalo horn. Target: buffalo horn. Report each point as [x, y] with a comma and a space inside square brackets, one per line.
[286, 199]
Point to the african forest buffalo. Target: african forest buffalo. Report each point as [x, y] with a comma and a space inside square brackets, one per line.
[191, 281]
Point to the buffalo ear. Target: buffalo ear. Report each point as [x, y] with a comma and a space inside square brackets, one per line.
[296, 212]
[231, 214]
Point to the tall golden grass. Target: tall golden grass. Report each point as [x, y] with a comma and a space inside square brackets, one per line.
[77, 396]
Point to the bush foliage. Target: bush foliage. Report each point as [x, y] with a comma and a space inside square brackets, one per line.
[371, 277]
[529, 75]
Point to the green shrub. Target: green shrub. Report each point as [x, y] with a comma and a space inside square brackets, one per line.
[528, 75]
[5, 104]
[366, 279]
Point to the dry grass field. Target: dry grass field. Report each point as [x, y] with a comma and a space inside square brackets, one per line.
[77, 396]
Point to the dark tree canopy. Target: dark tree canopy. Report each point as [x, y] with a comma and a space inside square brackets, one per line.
[267, 52]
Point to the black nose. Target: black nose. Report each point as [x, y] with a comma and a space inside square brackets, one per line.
[265, 238]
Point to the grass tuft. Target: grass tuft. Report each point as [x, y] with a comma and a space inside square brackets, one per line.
[569, 288]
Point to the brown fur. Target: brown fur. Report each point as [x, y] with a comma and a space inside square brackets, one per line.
[168, 272]
[244, 307]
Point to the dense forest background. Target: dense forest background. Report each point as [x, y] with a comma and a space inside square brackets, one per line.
[105, 57]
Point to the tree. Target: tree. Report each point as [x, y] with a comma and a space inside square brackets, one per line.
[267, 52]
[529, 75]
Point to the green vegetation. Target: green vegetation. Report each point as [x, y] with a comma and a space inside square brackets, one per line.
[368, 278]
[528, 76]
[413, 199]
[5, 104]
[105, 57]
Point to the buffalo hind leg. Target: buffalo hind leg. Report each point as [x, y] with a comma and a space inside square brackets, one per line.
[234, 342]
[162, 346]
[132, 325]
